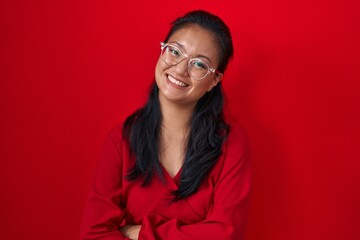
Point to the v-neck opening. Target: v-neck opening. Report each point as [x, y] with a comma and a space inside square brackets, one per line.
[176, 178]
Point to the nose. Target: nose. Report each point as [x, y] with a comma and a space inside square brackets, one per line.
[182, 67]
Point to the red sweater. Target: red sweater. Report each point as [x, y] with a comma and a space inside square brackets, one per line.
[218, 210]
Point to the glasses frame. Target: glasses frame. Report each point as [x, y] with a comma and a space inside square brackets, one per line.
[184, 56]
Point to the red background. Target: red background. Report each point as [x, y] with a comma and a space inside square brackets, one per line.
[71, 70]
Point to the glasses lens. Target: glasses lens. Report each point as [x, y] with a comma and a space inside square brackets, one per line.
[198, 68]
[171, 55]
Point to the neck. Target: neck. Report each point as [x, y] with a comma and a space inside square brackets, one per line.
[175, 117]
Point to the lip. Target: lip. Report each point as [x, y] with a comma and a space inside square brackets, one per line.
[175, 85]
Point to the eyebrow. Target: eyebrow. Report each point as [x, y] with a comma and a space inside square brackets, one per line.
[198, 56]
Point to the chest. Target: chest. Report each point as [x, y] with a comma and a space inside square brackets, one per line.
[157, 199]
[172, 155]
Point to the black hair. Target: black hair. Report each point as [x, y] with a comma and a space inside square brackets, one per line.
[208, 129]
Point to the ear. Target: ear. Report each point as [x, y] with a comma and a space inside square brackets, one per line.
[216, 79]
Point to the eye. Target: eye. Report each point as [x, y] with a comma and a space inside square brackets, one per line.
[199, 64]
[174, 51]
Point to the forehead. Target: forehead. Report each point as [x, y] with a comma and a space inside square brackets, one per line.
[196, 41]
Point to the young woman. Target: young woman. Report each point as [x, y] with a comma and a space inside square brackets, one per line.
[176, 169]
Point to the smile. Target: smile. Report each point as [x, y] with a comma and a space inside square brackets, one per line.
[177, 82]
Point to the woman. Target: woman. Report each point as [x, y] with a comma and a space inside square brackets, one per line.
[175, 169]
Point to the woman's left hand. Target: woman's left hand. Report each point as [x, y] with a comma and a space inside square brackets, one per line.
[131, 231]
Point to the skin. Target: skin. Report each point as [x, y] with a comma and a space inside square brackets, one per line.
[194, 41]
[177, 103]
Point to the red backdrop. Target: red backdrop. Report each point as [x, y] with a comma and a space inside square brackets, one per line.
[71, 70]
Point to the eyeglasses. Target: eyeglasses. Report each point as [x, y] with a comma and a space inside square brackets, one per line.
[197, 68]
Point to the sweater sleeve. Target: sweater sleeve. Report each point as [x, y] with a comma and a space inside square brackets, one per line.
[102, 215]
[228, 217]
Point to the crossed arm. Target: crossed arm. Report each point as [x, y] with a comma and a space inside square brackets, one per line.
[226, 219]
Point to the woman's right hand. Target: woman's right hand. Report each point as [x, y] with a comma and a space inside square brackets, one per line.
[131, 231]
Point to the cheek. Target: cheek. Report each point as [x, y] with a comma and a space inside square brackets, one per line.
[159, 74]
[159, 68]
[204, 86]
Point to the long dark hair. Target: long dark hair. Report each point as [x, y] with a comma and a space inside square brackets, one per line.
[208, 129]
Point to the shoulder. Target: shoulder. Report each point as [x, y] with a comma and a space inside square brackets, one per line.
[115, 132]
[237, 137]
[236, 147]
[114, 137]
[235, 160]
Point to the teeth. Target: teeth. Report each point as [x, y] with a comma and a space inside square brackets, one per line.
[173, 80]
